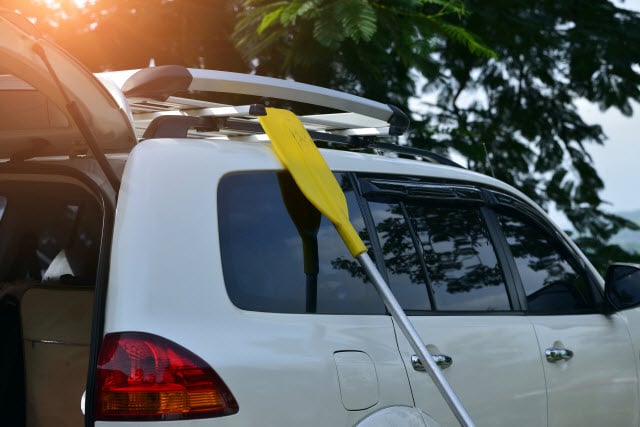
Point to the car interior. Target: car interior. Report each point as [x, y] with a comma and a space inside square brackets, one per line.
[50, 231]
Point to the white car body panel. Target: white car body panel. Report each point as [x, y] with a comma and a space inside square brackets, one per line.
[599, 384]
[153, 196]
[496, 364]
[167, 203]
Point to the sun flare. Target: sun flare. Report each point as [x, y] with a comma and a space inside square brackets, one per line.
[55, 4]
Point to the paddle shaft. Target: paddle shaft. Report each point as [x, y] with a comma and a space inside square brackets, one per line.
[300, 156]
[414, 339]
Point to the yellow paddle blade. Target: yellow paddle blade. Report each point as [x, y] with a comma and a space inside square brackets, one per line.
[300, 156]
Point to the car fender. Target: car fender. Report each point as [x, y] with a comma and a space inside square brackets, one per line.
[404, 416]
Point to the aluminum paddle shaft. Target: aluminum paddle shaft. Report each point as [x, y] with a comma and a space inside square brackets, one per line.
[300, 156]
[414, 339]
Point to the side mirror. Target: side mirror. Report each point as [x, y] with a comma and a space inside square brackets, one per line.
[622, 285]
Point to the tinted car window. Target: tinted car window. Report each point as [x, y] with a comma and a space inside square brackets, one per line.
[449, 255]
[406, 275]
[550, 281]
[268, 258]
[462, 265]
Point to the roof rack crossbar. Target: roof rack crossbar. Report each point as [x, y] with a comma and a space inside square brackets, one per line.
[253, 110]
[178, 127]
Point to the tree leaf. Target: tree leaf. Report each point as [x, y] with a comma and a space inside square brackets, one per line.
[268, 19]
[358, 19]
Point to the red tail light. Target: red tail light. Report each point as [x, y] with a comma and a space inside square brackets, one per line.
[146, 377]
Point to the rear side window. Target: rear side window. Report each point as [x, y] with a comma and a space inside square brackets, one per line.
[462, 265]
[406, 274]
[280, 255]
[440, 257]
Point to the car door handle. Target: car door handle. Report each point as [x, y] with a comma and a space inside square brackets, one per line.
[555, 354]
[442, 360]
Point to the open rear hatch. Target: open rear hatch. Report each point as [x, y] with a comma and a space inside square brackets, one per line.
[38, 83]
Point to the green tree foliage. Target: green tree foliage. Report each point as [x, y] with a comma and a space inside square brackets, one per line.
[335, 21]
[512, 114]
[521, 108]
[361, 46]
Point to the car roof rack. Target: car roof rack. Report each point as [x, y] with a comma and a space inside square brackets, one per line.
[157, 111]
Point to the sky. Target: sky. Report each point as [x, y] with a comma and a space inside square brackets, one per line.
[618, 160]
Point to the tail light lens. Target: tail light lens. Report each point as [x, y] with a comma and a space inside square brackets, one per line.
[146, 377]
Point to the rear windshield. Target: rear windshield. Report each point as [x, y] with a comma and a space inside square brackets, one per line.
[280, 255]
[23, 108]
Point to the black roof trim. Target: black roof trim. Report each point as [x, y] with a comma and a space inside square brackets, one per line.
[398, 122]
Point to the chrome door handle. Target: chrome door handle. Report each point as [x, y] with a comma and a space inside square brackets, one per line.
[442, 360]
[555, 354]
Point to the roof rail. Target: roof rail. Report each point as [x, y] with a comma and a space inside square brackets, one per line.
[157, 111]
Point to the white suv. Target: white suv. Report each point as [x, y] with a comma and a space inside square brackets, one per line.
[158, 266]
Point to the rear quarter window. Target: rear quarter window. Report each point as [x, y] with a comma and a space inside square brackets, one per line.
[269, 243]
